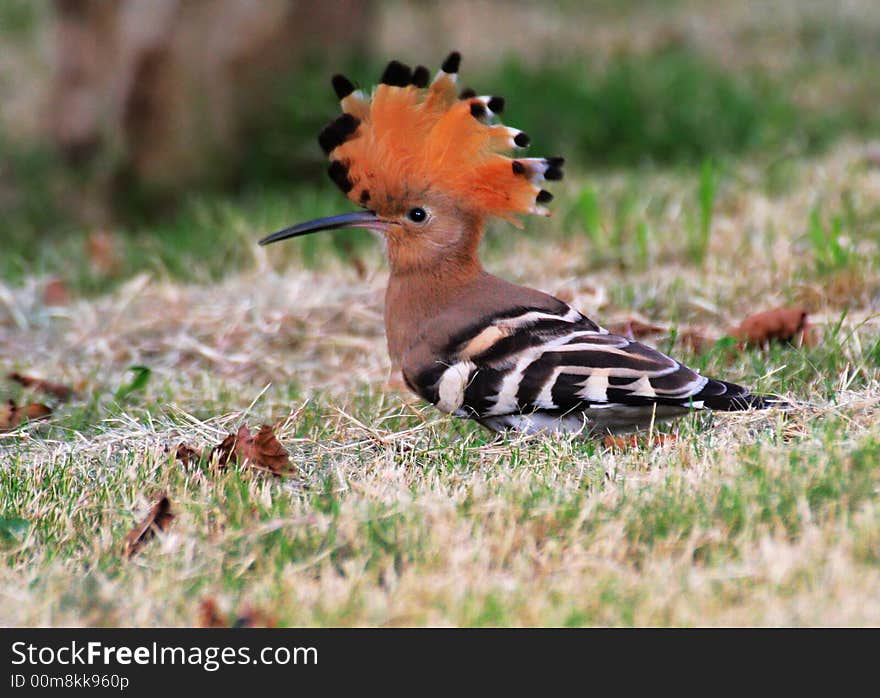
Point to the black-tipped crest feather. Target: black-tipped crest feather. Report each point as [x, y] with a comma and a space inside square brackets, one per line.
[452, 63]
[420, 76]
[337, 132]
[397, 74]
[338, 172]
[342, 86]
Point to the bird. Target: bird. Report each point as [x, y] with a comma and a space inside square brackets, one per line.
[429, 166]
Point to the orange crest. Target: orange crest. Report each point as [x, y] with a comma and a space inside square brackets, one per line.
[409, 137]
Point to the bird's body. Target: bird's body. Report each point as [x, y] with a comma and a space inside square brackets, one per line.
[514, 358]
[427, 164]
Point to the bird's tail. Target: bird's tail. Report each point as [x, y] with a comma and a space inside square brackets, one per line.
[730, 397]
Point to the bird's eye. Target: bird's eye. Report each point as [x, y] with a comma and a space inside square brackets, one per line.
[417, 215]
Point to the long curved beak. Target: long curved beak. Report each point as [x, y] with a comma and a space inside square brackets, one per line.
[358, 219]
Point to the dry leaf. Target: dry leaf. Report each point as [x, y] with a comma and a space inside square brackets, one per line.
[209, 615]
[262, 451]
[11, 415]
[781, 324]
[247, 617]
[225, 449]
[103, 251]
[265, 451]
[186, 455]
[55, 293]
[633, 328]
[633, 440]
[158, 519]
[62, 392]
[37, 410]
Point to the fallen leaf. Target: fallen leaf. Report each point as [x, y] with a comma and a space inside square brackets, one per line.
[37, 410]
[247, 617]
[103, 251]
[633, 328]
[633, 440]
[262, 451]
[225, 449]
[186, 455]
[55, 293]
[265, 451]
[62, 392]
[11, 415]
[209, 615]
[158, 519]
[780, 324]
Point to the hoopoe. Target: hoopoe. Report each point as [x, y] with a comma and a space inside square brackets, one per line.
[427, 165]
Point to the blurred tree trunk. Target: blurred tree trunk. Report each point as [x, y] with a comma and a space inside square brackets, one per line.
[157, 92]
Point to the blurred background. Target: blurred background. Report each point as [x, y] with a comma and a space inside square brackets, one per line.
[169, 135]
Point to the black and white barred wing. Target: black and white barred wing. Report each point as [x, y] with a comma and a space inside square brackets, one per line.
[566, 367]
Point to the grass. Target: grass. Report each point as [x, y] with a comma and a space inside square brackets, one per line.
[399, 516]
[733, 195]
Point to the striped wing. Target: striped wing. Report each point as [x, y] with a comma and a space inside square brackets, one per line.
[531, 361]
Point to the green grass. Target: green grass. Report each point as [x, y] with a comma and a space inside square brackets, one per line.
[455, 531]
[399, 516]
[699, 191]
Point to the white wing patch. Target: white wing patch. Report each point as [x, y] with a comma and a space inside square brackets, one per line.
[452, 384]
[596, 386]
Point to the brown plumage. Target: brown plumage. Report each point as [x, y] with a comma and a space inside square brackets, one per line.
[427, 167]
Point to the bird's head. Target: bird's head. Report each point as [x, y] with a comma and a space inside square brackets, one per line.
[426, 164]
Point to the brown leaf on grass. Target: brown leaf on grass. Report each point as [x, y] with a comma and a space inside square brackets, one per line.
[633, 328]
[247, 617]
[226, 448]
[262, 451]
[209, 614]
[103, 251]
[186, 455]
[11, 415]
[633, 440]
[37, 410]
[55, 293]
[158, 519]
[265, 451]
[780, 324]
[62, 392]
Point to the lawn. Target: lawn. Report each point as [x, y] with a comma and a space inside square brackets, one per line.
[395, 514]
